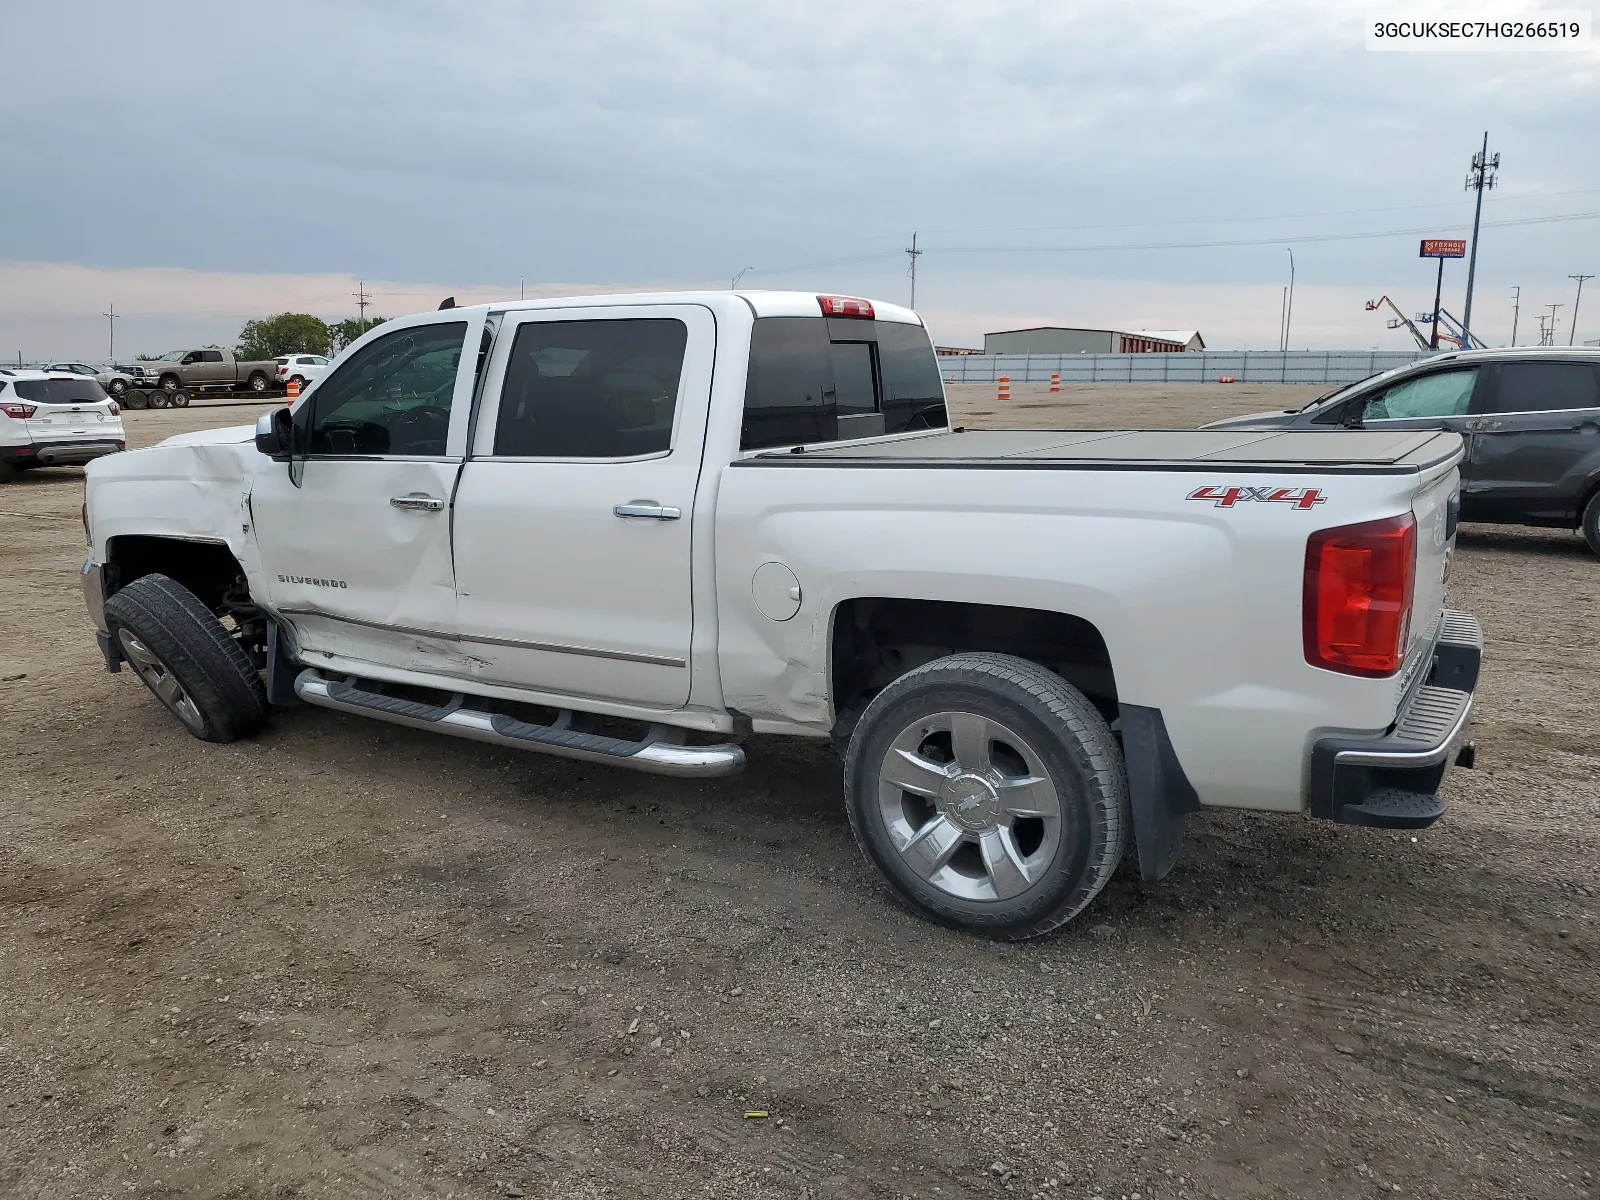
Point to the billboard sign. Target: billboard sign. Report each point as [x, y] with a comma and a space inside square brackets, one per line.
[1443, 248]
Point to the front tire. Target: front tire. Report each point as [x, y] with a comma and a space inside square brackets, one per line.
[170, 384]
[1591, 523]
[990, 793]
[187, 659]
[118, 388]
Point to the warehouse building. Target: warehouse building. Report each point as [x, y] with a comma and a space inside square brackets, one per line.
[1055, 339]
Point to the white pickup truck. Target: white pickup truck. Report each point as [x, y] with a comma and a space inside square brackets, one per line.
[637, 529]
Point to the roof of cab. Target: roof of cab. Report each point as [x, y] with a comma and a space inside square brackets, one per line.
[760, 303]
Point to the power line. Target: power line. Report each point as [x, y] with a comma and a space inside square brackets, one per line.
[1264, 241]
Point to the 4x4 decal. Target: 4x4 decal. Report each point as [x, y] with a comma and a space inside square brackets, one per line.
[1223, 496]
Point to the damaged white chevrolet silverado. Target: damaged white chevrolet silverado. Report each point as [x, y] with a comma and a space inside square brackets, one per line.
[636, 529]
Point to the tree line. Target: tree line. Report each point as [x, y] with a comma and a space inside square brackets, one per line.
[299, 333]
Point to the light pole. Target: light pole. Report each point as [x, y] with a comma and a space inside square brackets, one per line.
[1516, 311]
[1572, 330]
[734, 282]
[1288, 302]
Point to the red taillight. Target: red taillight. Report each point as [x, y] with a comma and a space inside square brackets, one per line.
[845, 306]
[115, 411]
[1358, 587]
[13, 409]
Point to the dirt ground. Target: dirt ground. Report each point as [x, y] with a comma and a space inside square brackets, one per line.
[350, 960]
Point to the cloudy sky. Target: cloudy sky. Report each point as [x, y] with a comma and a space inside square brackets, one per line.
[1092, 162]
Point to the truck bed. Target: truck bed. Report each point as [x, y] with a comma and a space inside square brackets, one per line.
[1337, 450]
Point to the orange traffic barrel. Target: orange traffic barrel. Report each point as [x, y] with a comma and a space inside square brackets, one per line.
[1005, 388]
[1055, 381]
[293, 393]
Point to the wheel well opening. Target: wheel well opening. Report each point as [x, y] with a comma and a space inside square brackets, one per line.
[876, 640]
[208, 569]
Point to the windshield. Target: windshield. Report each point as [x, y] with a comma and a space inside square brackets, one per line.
[60, 391]
[1348, 387]
[172, 356]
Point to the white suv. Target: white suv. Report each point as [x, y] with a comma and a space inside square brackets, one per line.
[51, 420]
[302, 368]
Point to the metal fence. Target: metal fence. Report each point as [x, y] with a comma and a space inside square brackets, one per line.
[1246, 366]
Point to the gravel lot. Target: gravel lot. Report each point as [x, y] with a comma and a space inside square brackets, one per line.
[349, 960]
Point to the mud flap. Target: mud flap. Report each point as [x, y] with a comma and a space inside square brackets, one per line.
[281, 669]
[1160, 793]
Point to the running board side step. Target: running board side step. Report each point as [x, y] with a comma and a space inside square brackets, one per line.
[656, 754]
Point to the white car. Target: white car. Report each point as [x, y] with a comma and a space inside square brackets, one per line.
[114, 381]
[635, 529]
[50, 419]
[301, 368]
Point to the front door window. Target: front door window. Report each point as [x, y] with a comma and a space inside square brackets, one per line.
[1441, 394]
[391, 399]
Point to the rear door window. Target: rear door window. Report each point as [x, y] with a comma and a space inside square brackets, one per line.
[211, 356]
[1441, 394]
[1545, 387]
[868, 378]
[591, 389]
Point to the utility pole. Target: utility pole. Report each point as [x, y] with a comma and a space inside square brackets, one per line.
[1288, 315]
[1516, 311]
[522, 287]
[1549, 331]
[913, 254]
[363, 298]
[1481, 176]
[1572, 330]
[111, 316]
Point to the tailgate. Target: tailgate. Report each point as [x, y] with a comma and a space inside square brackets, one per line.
[1436, 506]
[67, 420]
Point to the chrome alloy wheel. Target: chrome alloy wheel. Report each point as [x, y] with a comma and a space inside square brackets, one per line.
[969, 806]
[160, 680]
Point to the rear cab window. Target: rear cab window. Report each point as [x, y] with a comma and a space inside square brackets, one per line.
[829, 378]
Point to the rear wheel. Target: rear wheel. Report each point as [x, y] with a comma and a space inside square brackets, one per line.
[136, 400]
[990, 793]
[187, 659]
[1591, 523]
[258, 382]
[180, 399]
[159, 400]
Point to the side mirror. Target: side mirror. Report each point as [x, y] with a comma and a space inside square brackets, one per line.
[275, 434]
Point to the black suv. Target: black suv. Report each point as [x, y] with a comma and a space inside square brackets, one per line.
[1530, 417]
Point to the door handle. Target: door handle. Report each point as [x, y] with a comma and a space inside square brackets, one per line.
[656, 512]
[419, 501]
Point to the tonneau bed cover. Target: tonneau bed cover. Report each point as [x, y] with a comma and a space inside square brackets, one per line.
[1398, 451]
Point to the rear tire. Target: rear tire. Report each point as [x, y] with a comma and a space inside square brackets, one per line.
[187, 659]
[990, 793]
[180, 399]
[1591, 523]
[7, 472]
[136, 400]
[158, 400]
[258, 383]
